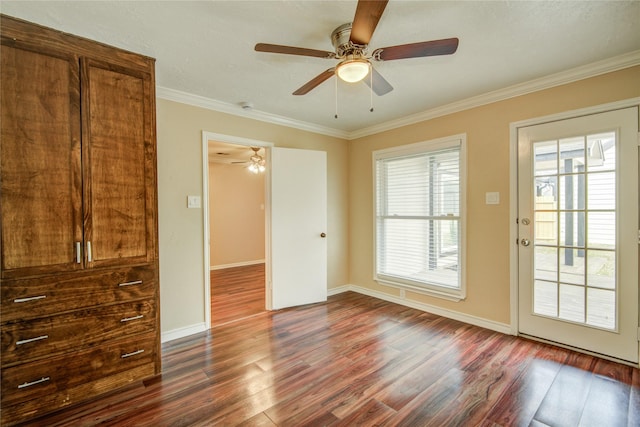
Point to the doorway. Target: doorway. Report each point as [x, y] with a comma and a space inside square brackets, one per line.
[295, 224]
[235, 215]
[236, 232]
[577, 232]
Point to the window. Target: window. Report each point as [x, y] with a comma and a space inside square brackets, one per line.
[419, 204]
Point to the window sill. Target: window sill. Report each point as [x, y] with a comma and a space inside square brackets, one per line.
[455, 295]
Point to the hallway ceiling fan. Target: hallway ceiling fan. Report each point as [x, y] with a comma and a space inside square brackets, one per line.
[351, 44]
[257, 163]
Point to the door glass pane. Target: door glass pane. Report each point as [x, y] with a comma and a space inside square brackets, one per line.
[545, 298]
[572, 303]
[546, 157]
[602, 190]
[602, 230]
[572, 155]
[572, 229]
[575, 229]
[601, 152]
[601, 308]
[601, 269]
[545, 262]
[572, 265]
[572, 192]
[546, 210]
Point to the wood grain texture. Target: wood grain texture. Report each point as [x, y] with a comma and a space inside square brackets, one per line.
[356, 360]
[116, 176]
[236, 293]
[75, 291]
[40, 163]
[78, 207]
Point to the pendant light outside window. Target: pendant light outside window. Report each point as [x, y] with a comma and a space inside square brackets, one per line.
[353, 70]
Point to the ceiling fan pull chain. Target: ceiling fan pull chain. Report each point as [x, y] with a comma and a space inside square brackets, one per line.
[336, 86]
[371, 87]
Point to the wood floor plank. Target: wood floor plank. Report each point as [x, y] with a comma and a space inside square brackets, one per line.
[236, 293]
[565, 400]
[520, 401]
[356, 360]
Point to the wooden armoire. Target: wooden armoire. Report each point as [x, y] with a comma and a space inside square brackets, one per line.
[79, 249]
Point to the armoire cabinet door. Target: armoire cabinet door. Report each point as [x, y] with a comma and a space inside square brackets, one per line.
[119, 164]
[41, 178]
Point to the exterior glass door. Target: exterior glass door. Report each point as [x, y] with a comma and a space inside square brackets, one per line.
[578, 205]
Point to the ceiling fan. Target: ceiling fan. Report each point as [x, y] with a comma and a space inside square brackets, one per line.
[351, 43]
[257, 163]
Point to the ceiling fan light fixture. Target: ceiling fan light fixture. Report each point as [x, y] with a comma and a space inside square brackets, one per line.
[353, 70]
[258, 163]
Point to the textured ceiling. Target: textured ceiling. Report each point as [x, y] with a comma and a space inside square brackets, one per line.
[205, 48]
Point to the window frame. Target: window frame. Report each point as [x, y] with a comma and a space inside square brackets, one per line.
[425, 147]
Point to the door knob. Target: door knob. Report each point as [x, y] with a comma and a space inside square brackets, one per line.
[323, 235]
[525, 242]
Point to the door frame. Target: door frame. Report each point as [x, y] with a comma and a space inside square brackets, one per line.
[513, 187]
[237, 140]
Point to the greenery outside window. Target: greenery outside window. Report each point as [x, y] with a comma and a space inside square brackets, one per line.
[419, 208]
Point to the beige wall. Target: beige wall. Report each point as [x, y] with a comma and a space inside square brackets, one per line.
[350, 215]
[487, 129]
[236, 215]
[180, 160]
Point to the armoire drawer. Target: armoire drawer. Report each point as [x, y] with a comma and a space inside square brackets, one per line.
[58, 381]
[72, 331]
[31, 298]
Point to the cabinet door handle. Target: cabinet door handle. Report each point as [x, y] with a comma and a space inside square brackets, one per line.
[27, 299]
[41, 337]
[129, 319]
[135, 282]
[78, 253]
[29, 384]
[89, 254]
[133, 353]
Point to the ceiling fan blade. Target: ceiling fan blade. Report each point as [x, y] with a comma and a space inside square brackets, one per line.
[365, 21]
[311, 84]
[380, 85]
[417, 50]
[290, 50]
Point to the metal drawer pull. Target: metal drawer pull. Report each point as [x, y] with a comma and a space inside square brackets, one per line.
[129, 319]
[29, 298]
[41, 337]
[135, 282]
[78, 253]
[124, 356]
[41, 380]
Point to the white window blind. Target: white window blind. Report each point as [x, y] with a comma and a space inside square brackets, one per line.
[418, 216]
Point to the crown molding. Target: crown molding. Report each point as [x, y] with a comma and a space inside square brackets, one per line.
[223, 107]
[564, 77]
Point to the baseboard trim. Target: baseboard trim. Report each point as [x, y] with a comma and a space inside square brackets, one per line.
[185, 331]
[237, 264]
[456, 315]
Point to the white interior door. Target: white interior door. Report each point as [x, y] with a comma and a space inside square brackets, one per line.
[578, 232]
[298, 217]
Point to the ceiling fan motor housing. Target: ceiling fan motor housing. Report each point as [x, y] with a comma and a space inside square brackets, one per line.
[343, 45]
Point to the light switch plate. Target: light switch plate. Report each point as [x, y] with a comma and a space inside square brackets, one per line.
[194, 202]
[492, 198]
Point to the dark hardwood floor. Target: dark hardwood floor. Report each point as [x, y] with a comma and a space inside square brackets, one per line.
[237, 293]
[357, 360]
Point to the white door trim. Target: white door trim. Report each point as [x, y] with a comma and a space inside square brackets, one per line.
[230, 139]
[513, 187]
